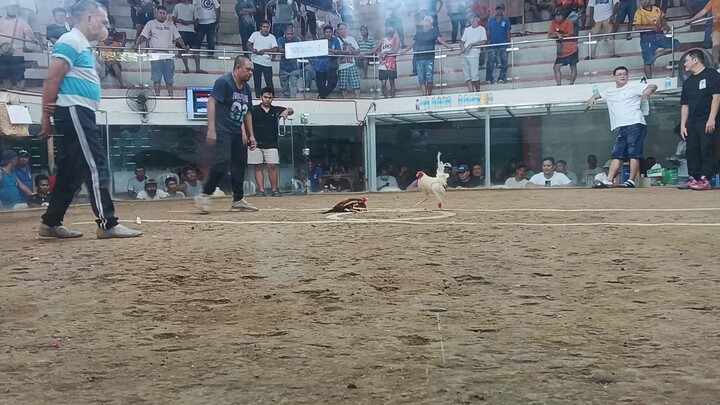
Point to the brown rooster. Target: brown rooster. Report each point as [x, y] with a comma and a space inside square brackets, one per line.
[349, 205]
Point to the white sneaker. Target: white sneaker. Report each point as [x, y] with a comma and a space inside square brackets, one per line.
[57, 232]
[243, 205]
[202, 203]
[117, 231]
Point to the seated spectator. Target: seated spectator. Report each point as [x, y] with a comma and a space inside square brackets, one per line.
[55, 31]
[567, 50]
[337, 182]
[404, 178]
[42, 196]
[651, 18]
[519, 181]
[136, 184]
[478, 174]
[385, 180]
[10, 185]
[23, 172]
[602, 178]
[549, 177]
[464, 179]
[109, 55]
[171, 188]
[151, 192]
[191, 186]
[299, 182]
[647, 164]
[591, 171]
[315, 174]
[12, 61]
[562, 167]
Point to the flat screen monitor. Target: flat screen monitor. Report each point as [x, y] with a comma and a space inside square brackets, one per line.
[196, 102]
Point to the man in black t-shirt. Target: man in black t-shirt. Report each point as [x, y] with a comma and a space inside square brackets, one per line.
[464, 179]
[265, 125]
[230, 130]
[337, 182]
[424, 47]
[700, 101]
[42, 196]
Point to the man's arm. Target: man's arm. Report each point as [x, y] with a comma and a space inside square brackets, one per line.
[211, 134]
[287, 112]
[23, 188]
[141, 39]
[508, 31]
[684, 112]
[702, 13]
[442, 42]
[593, 100]
[249, 130]
[56, 72]
[710, 125]
[649, 90]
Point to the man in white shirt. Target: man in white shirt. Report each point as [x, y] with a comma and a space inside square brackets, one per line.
[519, 181]
[623, 103]
[151, 192]
[600, 14]
[161, 33]
[260, 43]
[348, 74]
[549, 177]
[472, 38]
[208, 15]
[185, 18]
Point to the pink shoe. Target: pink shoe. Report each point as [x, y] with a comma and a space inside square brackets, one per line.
[702, 184]
[688, 184]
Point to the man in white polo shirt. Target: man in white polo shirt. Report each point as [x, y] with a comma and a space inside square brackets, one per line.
[161, 34]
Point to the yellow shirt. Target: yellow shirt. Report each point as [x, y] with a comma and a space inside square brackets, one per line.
[645, 17]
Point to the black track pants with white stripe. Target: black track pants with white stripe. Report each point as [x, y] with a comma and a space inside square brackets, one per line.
[83, 161]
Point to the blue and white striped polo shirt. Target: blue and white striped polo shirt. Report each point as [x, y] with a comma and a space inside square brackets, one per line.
[81, 85]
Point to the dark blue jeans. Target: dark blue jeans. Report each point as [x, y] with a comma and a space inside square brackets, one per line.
[493, 54]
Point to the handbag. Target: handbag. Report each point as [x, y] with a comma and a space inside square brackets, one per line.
[7, 49]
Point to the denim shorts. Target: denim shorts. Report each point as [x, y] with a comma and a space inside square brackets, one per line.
[626, 9]
[629, 142]
[163, 68]
[425, 68]
[650, 46]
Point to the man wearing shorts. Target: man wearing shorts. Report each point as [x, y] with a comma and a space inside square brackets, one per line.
[472, 38]
[265, 126]
[424, 55]
[623, 9]
[652, 18]
[623, 103]
[348, 75]
[161, 33]
[387, 68]
[185, 18]
[567, 49]
[713, 7]
[230, 130]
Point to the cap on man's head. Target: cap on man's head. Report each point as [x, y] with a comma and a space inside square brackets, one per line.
[23, 153]
[463, 168]
[447, 166]
[7, 156]
[151, 181]
[427, 18]
[607, 164]
[500, 6]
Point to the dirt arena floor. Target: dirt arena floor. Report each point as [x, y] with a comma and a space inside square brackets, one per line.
[507, 297]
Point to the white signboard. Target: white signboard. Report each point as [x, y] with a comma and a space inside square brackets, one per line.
[306, 49]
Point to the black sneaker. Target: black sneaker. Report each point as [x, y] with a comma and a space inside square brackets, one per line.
[276, 194]
[629, 184]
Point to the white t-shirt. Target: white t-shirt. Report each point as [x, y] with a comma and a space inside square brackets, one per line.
[347, 62]
[206, 10]
[185, 12]
[161, 35]
[602, 8]
[260, 42]
[557, 179]
[144, 196]
[512, 183]
[472, 35]
[391, 182]
[624, 104]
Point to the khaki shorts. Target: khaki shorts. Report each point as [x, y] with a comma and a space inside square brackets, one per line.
[715, 36]
[259, 156]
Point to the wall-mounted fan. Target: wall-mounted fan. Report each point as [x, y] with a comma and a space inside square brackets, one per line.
[141, 99]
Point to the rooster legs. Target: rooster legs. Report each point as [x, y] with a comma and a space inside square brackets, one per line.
[440, 198]
[421, 201]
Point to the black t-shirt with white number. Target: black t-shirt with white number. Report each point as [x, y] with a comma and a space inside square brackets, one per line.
[697, 92]
[232, 105]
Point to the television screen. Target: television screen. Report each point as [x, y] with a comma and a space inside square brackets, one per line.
[196, 102]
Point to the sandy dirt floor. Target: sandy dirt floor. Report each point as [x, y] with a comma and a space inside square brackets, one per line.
[507, 297]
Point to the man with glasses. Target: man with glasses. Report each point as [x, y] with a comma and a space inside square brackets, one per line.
[623, 103]
[71, 94]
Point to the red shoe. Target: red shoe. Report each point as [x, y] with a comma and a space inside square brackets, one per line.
[688, 184]
[702, 184]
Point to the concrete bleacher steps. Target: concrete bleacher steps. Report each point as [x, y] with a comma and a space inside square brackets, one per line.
[532, 65]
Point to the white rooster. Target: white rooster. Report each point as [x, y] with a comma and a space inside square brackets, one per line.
[433, 186]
